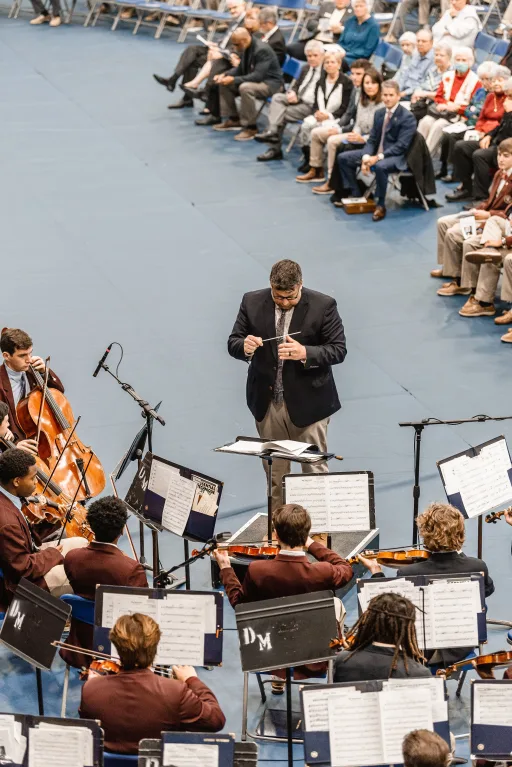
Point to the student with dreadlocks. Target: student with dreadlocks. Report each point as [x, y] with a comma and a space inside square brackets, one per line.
[383, 643]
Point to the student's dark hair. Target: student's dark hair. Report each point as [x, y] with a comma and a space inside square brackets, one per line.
[13, 339]
[423, 748]
[505, 146]
[388, 619]
[4, 410]
[107, 518]
[285, 275]
[15, 463]
[375, 77]
[292, 524]
[361, 64]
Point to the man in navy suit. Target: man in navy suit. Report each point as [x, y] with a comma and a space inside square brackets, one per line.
[386, 149]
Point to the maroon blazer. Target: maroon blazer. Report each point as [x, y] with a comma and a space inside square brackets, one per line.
[16, 557]
[139, 704]
[99, 564]
[54, 382]
[498, 204]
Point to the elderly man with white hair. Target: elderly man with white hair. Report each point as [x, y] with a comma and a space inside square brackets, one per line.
[459, 25]
[454, 93]
[410, 77]
[361, 33]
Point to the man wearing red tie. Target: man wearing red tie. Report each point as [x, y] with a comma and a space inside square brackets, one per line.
[385, 151]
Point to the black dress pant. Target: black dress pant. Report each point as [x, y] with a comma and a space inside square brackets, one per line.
[212, 89]
[448, 144]
[336, 182]
[469, 160]
[190, 62]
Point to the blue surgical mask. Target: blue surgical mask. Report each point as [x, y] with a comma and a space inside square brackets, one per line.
[461, 67]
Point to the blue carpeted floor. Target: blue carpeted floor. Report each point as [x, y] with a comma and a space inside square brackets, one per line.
[120, 220]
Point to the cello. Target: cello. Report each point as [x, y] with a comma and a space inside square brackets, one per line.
[47, 413]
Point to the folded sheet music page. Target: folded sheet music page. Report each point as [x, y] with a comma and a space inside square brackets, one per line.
[482, 481]
[178, 503]
[336, 502]
[316, 711]
[60, 746]
[190, 755]
[435, 685]
[12, 742]
[403, 710]
[492, 704]
[355, 736]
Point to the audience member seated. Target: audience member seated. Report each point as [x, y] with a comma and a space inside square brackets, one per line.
[100, 563]
[271, 34]
[423, 748]
[455, 91]
[481, 272]
[451, 242]
[43, 17]
[293, 105]
[407, 43]
[423, 97]
[258, 76]
[383, 643]
[361, 33]
[353, 131]
[411, 77]
[326, 26]
[459, 25]
[194, 57]
[483, 114]
[136, 703]
[385, 151]
[478, 159]
[332, 97]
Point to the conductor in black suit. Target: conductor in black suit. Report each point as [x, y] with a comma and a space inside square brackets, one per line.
[290, 386]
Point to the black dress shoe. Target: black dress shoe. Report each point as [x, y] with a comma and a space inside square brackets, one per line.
[162, 80]
[458, 195]
[208, 120]
[448, 179]
[304, 167]
[267, 137]
[439, 175]
[181, 104]
[274, 153]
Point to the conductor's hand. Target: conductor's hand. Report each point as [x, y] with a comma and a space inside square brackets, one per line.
[370, 564]
[251, 343]
[508, 516]
[28, 445]
[291, 350]
[182, 673]
[38, 364]
[222, 558]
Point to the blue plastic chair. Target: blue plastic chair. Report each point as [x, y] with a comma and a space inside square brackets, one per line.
[500, 50]
[119, 760]
[484, 46]
[380, 54]
[393, 57]
[292, 67]
[509, 637]
[81, 610]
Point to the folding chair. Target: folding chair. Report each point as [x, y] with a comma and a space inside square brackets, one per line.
[380, 53]
[81, 610]
[291, 67]
[288, 5]
[198, 12]
[393, 57]
[66, 18]
[500, 50]
[484, 46]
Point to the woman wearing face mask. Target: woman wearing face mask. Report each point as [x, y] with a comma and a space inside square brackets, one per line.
[453, 95]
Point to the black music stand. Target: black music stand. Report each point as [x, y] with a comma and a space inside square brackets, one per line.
[282, 633]
[150, 753]
[32, 623]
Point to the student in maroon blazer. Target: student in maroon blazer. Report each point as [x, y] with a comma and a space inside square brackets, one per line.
[19, 555]
[100, 563]
[136, 703]
[291, 572]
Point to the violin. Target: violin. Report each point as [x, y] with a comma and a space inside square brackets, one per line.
[483, 665]
[496, 515]
[252, 550]
[47, 413]
[394, 558]
[101, 667]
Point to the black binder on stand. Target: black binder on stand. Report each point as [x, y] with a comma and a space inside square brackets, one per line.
[491, 723]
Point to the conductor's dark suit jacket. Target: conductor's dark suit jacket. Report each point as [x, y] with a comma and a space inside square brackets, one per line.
[309, 389]
[450, 563]
[374, 662]
[99, 564]
[17, 559]
[139, 704]
[54, 382]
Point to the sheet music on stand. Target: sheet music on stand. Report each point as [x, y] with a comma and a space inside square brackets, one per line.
[478, 480]
[337, 502]
[451, 611]
[287, 449]
[36, 741]
[190, 622]
[491, 719]
[365, 723]
[187, 749]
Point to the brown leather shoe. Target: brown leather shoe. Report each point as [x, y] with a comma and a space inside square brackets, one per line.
[313, 174]
[228, 125]
[247, 134]
[485, 256]
[379, 213]
[324, 189]
[437, 272]
[473, 308]
[452, 289]
[507, 338]
[505, 318]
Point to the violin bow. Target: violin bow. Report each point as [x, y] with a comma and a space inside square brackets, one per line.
[43, 399]
[61, 454]
[67, 518]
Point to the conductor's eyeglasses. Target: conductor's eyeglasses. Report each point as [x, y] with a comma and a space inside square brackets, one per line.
[280, 299]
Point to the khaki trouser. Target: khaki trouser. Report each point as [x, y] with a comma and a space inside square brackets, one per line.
[56, 578]
[249, 93]
[485, 277]
[281, 112]
[450, 242]
[431, 128]
[320, 138]
[278, 425]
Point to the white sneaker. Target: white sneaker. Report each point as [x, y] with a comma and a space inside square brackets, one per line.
[56, 21]
[42, 19]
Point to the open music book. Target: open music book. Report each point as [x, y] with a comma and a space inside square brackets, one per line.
[283, 448]
[12, 743]
[60, 746]
[491, 719]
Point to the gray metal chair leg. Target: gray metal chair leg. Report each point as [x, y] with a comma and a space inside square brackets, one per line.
[461, 684]
[65, 692]
[244, 706]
